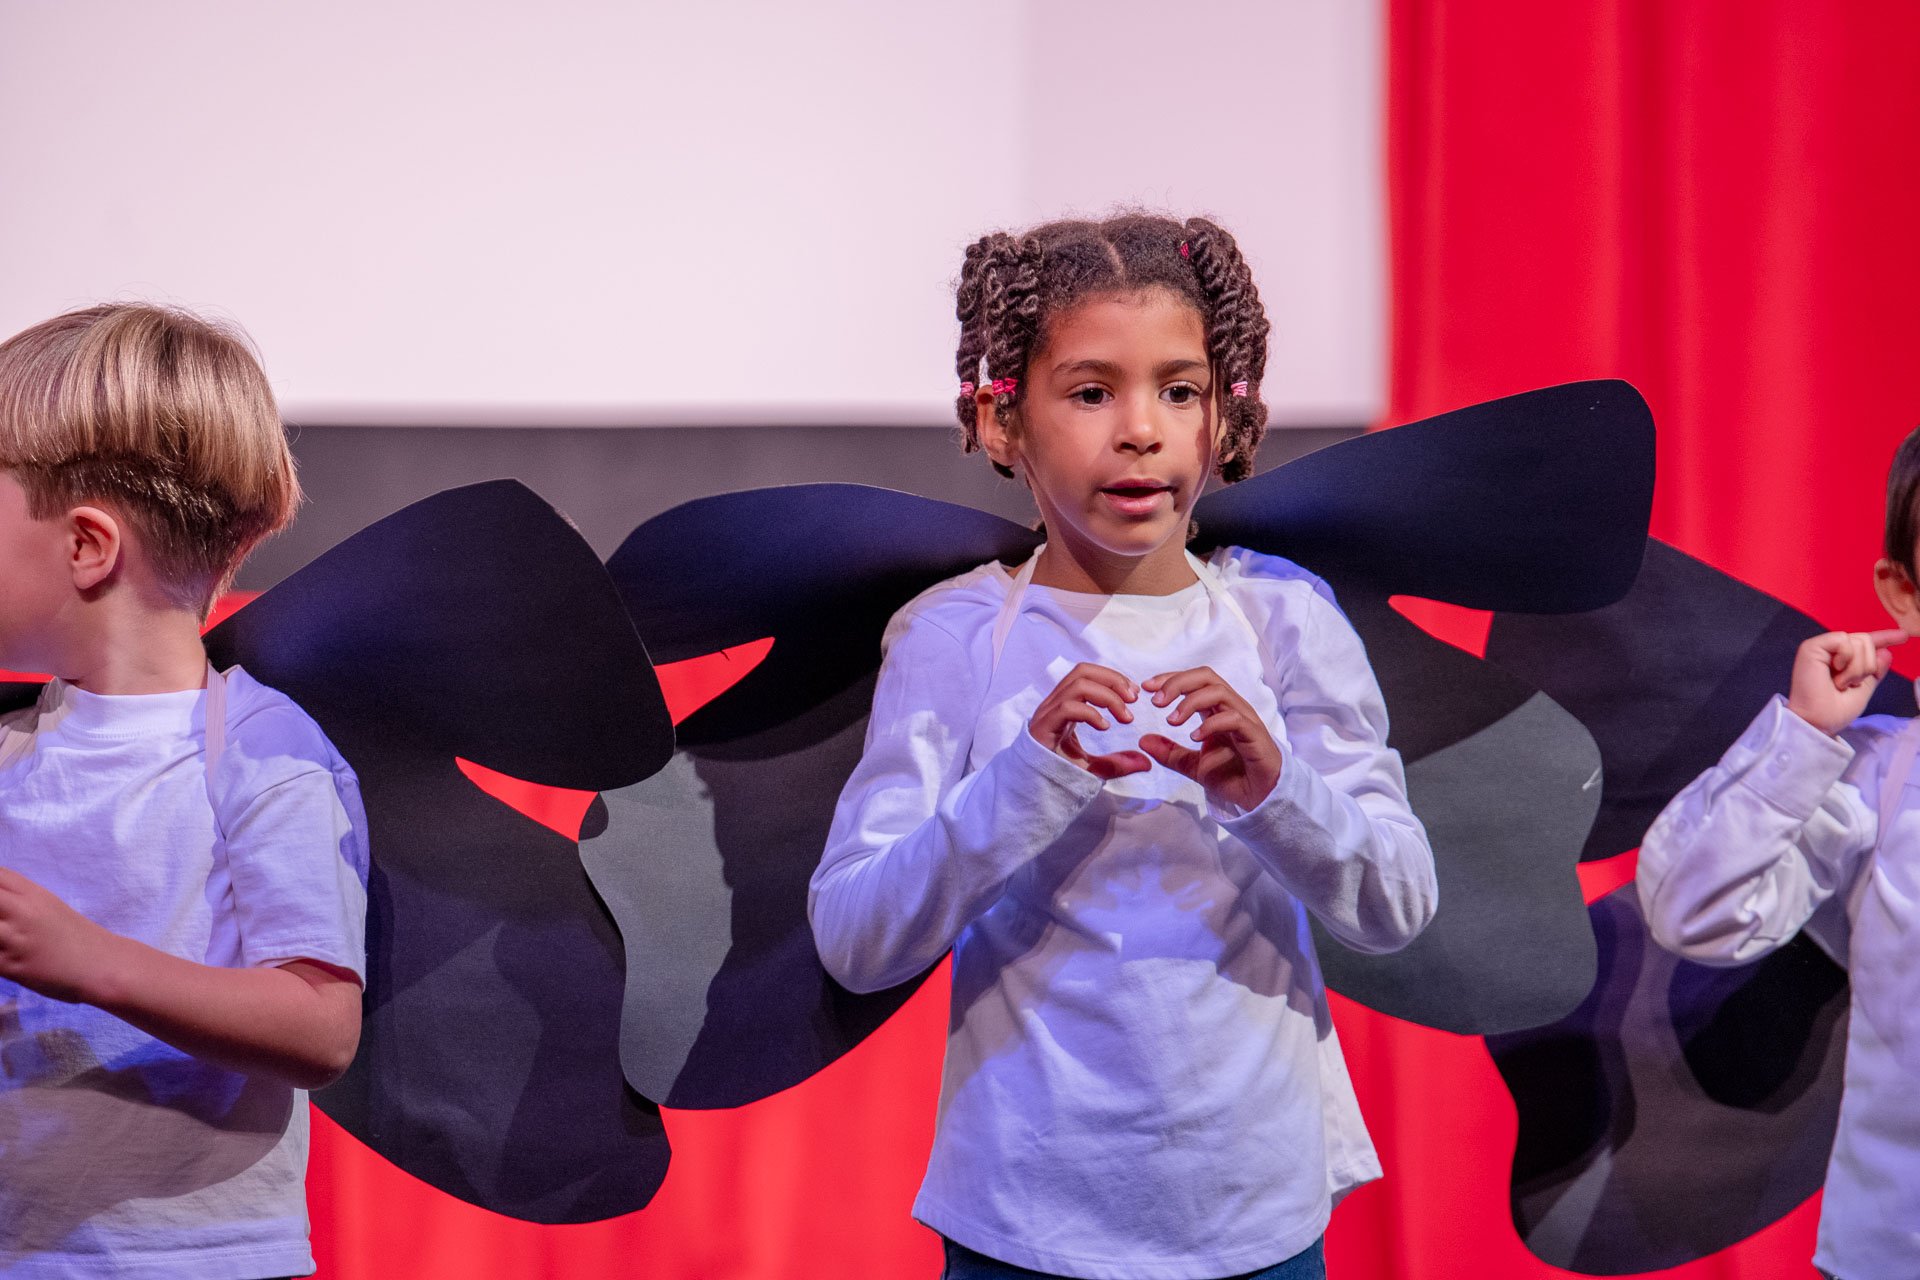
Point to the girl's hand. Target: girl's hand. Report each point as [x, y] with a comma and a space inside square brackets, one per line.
[1079, 699]
[1237, 761]
[1835, 674]
[45, 945]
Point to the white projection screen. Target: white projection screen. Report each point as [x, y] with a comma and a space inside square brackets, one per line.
[633, 214]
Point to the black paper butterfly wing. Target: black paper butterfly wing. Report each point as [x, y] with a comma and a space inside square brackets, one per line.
[1681, 1108]
[478, 624]
[1536, 501]
[705, 865]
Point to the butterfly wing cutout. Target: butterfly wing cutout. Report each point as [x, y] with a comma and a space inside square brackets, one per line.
[1538, 502]
[478, 624]
[705, 865]
[1681, 1108]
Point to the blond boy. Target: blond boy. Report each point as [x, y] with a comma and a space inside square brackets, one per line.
[182, 854]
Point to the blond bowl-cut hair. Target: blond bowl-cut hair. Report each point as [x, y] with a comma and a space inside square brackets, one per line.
[157, 413]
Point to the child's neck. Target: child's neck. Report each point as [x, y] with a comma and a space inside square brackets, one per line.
[1160, 573]
[137, 649]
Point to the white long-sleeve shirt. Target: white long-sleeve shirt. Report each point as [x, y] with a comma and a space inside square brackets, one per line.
[1142, 1081]
[1788, 823]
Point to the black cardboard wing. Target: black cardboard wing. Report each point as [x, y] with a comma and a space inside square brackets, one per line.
[1680, 1109]
[705, 865]
[1667, 1060]
[1666, 679]
[1536, 501]
[477, 624]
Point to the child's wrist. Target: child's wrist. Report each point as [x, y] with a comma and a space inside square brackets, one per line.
[1816, 720]
[107, 981]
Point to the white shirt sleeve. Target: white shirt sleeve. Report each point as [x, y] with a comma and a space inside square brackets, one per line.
[1337, 831]
[917, 852]
[1738, 862]
[296, 844]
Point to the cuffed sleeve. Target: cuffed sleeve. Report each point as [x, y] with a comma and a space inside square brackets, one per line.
[1739, 861]
[916, 851]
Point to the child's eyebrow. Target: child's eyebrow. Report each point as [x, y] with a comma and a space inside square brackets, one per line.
[1108, 369]
[1101, 368]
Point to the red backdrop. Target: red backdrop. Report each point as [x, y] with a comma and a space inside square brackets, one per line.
[1715, 200]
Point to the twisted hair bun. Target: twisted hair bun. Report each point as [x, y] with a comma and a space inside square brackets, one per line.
[1011, 285]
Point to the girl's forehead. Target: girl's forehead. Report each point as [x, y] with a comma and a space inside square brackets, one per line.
[1150, 326]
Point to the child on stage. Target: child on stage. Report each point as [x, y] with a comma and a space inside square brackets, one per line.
[182, 853]
[1114, 780]
[1810, 820]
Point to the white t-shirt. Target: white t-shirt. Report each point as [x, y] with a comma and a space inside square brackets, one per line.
[1785, 833]
[120, 1155]
[1142, 1081]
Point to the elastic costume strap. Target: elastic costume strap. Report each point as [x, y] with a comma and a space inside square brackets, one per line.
[14, 742]
[215, 735]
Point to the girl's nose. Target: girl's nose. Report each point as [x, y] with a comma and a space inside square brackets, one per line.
[1139, 432]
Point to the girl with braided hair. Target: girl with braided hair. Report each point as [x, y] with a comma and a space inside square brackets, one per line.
[1113, 780]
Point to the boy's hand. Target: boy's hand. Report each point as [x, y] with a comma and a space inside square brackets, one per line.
[1078, 699]
[1835, 674]
[1237, 761]
[45, 945]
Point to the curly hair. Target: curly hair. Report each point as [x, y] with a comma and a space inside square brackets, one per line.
[1011, 285]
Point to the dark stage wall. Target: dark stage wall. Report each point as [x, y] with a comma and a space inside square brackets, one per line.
[609, 479]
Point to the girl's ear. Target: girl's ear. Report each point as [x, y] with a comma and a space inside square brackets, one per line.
[995, 436]
[1898, 593]
[1221, 455]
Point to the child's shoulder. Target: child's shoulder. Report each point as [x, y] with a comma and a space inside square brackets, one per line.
[1273, 580]
[268, 726]
[960, 605]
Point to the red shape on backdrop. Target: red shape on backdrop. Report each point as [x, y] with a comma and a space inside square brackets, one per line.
[688, 686]
[1602, 877]
[560, 809]
[1463, 628]
[693, 683]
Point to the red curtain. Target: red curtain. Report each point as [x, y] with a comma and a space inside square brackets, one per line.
[1716, 200]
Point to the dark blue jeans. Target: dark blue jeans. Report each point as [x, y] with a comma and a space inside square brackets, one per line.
[964, 1264]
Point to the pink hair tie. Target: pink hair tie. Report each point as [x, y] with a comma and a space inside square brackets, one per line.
[966, 388]
[1005, 386]
[1237, 389]
[1184, 251]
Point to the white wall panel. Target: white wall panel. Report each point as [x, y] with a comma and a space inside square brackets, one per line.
[627, 213]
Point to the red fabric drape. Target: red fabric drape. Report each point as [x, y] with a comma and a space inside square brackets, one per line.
[1714, 200]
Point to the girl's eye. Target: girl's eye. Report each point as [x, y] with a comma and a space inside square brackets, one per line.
[1089, 396]
[1182, 393]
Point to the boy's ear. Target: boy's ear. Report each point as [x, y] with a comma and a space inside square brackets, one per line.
[1898, 593]
[94, 545]
[995, 437]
